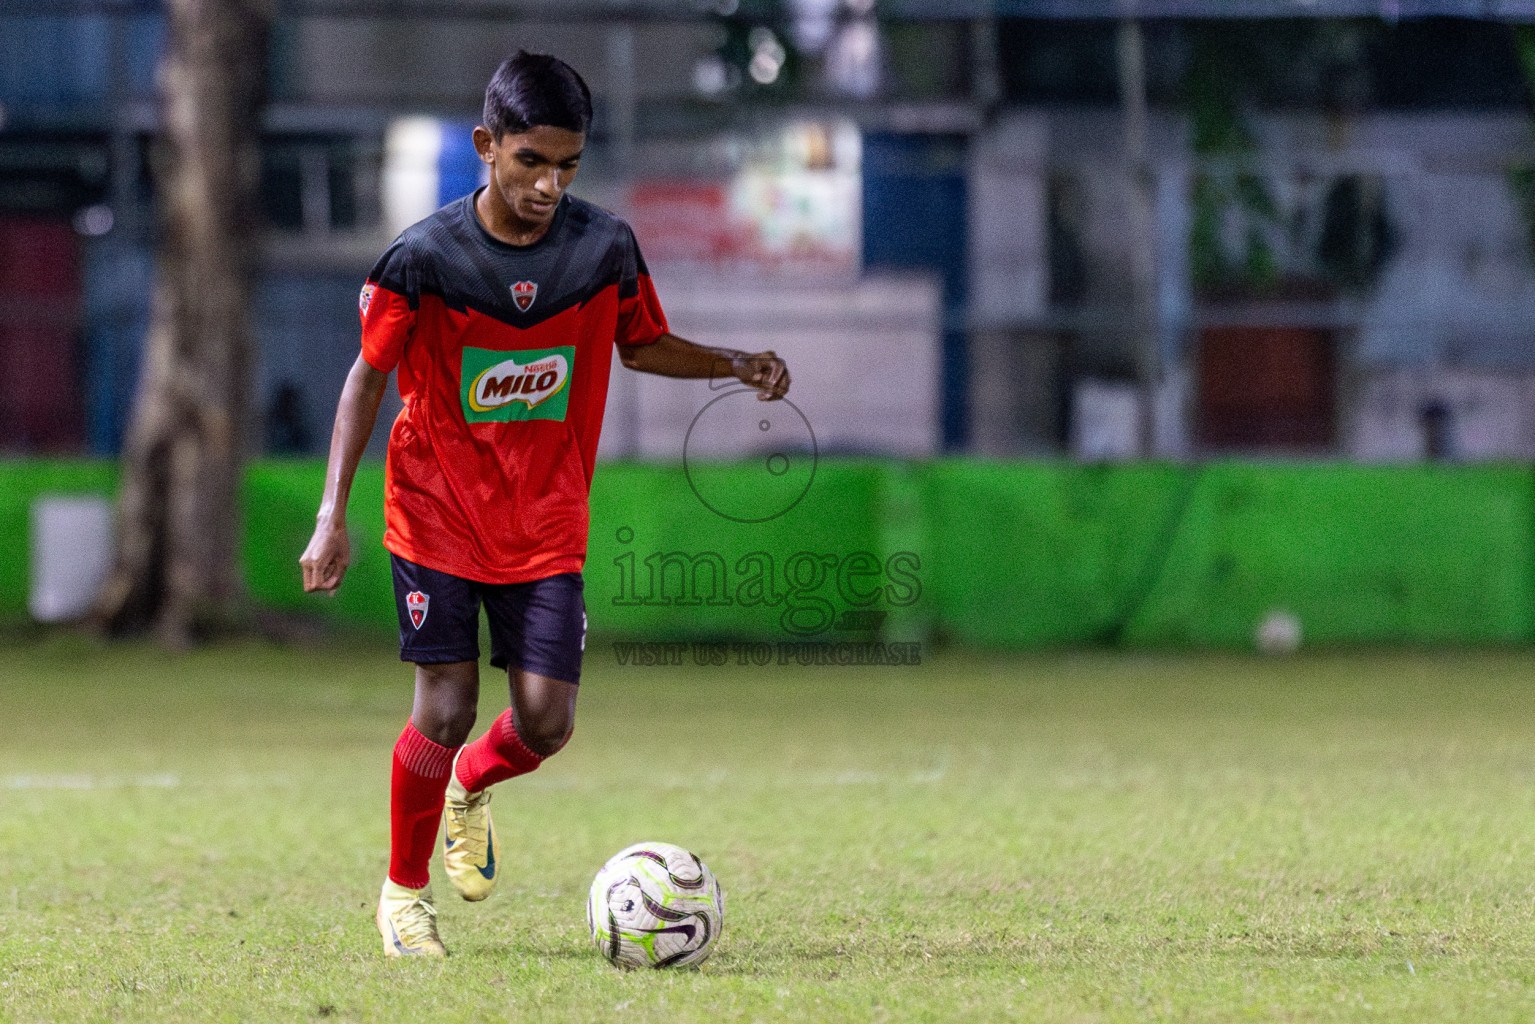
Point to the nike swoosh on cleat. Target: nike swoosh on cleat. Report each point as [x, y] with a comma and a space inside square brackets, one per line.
[450, 842]
[489, 870]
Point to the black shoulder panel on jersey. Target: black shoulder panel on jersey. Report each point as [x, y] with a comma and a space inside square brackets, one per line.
[586, 250]
[396, 271]
[639, 258]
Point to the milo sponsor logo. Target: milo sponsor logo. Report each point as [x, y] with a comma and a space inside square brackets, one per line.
[532, 384]
[506, 382]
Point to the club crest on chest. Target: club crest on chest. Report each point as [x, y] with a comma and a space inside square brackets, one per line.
[523, 294]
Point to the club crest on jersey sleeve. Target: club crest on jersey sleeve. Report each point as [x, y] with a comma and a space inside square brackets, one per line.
[366, 297]
[416, 603]
[526, 384]
[523, 294]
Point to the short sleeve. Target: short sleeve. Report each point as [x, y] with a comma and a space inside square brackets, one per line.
[640, 318]
[388, 306]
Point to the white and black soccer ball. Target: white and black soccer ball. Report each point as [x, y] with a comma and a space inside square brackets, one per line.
[655, 905]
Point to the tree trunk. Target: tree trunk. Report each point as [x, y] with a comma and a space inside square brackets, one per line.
[178, 527]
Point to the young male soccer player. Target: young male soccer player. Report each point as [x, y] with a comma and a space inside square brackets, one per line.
[500, 312]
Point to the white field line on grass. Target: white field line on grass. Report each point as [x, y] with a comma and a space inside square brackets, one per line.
[161, 781]
[718, 777]
[670, 780]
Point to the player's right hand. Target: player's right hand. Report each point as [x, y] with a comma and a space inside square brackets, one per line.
[765, 372]
[326, 558]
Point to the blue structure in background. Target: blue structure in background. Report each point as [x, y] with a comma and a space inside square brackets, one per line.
[915, 218]
[305, 329]
[71, 73]
[119, 280]
[459, 168]
[52, 65]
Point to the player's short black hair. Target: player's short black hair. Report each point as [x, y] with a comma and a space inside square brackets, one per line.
[530, 89]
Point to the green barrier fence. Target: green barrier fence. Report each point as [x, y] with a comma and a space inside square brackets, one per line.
[1384, 555]
[22, 480]
[661, 565]
[281, 498]
[987, 554]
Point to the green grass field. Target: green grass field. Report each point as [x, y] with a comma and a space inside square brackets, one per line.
[1055, 838]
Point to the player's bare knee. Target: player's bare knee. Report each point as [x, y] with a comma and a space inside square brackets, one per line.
[447, 698]
[455, 715]
[543, 711]
[545, 731]
[553, 743]
[446, 724]
[546, 738]
[459, 725]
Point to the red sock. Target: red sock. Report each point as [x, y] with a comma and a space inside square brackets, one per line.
[498, 755]
[420, 779]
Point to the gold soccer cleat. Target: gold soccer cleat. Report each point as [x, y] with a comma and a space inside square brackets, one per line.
[470, 849]
[407, 920]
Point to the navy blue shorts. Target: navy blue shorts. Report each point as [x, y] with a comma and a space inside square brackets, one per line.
[538, 626]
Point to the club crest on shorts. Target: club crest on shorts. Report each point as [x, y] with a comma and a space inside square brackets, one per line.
[415, 604]
[523, 293]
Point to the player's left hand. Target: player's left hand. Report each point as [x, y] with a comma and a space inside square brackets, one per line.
[765, 372]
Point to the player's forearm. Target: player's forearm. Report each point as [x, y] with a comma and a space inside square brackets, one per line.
[356, 413]
[671, 356]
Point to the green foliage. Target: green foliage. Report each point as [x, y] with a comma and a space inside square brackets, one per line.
[1066, 839]
[1357, 236]
[1240, 240]
[1214, 92]
[741, 31]
[1524, 48]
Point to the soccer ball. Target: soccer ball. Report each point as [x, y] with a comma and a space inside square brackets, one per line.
[1279, 633]
[655, 905]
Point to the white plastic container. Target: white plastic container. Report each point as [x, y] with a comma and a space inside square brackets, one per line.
[72, 550]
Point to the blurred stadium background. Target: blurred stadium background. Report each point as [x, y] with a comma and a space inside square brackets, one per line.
[1169, 326]
[1135, 323]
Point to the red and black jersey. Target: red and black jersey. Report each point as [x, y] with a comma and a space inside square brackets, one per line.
[503, 354]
